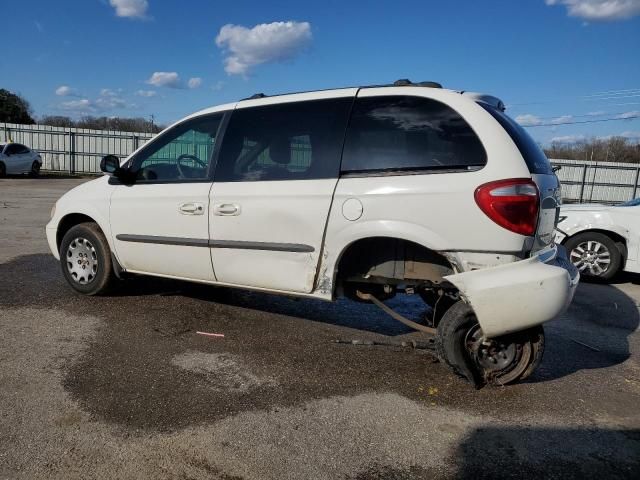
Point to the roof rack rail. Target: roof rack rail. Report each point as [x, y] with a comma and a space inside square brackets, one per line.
[405, 82]
[254, 96]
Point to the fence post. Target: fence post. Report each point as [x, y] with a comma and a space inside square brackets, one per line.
[584, 179]
[136, 142]
[72, 153]
[635, 183]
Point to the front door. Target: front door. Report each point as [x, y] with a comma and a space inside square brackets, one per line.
[160, 223]
[273, 188]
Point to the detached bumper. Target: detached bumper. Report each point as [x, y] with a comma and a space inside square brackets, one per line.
[519, 295]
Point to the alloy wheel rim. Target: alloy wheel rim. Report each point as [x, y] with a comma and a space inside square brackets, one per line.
[591, 257]
[82, 261]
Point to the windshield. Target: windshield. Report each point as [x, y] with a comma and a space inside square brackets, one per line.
[631, 203]
[2, 145]
[533, 155]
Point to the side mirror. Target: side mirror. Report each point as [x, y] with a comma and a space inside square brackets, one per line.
[110, 164]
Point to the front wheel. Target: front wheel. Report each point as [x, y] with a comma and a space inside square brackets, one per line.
[85, 259]
[497, 361]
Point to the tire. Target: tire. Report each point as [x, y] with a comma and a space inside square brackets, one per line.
[85, 259]
[3, 170]
[35, 170]
[581, 249]
[460, 345]
[438, 303]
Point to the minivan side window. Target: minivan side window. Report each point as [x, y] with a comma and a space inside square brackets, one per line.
[403, 133]
[180, 154]
[286, 141]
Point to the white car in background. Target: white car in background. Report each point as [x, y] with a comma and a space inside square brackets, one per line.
[15, 159]
[601, 239]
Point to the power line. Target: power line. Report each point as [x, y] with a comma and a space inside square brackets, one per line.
[581, 121]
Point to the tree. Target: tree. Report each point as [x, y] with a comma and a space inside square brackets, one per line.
[14, 108]
[611, 149]
[56, 121]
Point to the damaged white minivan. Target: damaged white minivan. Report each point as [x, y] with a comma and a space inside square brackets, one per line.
[358, 192]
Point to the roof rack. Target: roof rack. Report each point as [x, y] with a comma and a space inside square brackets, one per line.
[403, 82]
[255, 96]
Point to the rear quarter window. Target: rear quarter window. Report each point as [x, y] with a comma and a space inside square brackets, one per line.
[533, 155]
[403, 133]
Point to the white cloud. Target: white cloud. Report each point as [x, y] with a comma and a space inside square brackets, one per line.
[194, 82]
[528, 120]
[597, 114]
[146, 93]
[628, 115]
[165, 79]
[562, 119]
[568, 139]
[600, 10]
[264, 43]
[219, 85]
[130, 8]
[82, 105]
[631, 135]
[65, 91]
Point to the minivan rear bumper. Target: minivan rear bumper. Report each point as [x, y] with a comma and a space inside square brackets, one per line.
[516, 296]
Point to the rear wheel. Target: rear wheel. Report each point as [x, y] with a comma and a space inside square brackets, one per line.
[594, 254]
[35, 169]
[498, 361]
[85, 259]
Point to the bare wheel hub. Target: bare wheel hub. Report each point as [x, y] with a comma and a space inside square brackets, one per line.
[82, 260]
[591, 257]
[493, 355]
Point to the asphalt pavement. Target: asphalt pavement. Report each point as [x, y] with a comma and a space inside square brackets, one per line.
[123, 386]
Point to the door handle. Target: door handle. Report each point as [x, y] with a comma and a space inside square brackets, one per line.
[226, 209]
[191, 209]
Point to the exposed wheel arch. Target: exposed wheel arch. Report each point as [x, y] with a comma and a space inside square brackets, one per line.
[377, 265]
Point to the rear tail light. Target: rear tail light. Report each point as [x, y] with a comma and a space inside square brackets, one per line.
[512, 204]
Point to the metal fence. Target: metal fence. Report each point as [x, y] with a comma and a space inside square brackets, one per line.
[73, 150]
[77, 150]
[597, 182]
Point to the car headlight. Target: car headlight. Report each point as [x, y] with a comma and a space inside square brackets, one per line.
[53, 210]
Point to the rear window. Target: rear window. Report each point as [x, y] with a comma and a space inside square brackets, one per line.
[402, 133]
[533, 155]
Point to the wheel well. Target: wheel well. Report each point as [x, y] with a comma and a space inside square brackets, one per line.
[68, 222]
[619, 240]
[391, 260]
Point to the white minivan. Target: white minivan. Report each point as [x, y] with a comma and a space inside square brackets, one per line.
[358, 192]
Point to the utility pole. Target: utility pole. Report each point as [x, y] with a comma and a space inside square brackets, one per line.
[152, 118]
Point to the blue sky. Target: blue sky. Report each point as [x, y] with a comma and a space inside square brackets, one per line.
[551, 61]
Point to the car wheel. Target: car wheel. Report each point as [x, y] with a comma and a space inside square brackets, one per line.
[497, 361]
[35, 169]
[594, 254]
[85, 259]
[3, 170]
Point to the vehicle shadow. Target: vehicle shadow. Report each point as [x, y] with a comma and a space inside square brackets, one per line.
[344, 312]
[592, 334]
[537, 452]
